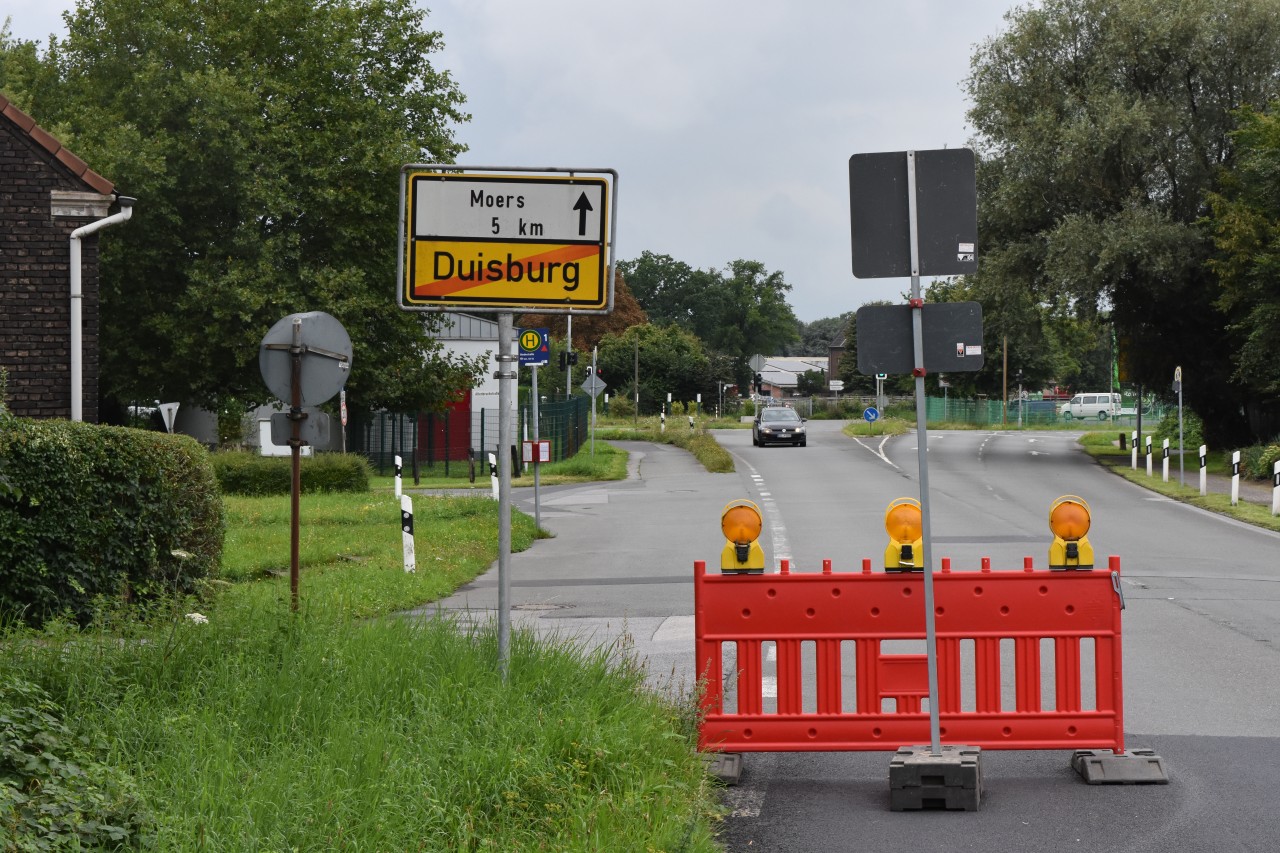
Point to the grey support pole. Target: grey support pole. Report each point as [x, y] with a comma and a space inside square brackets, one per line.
[917, 335]
[506, 373]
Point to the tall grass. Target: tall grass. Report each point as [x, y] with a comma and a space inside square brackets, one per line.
[262, 730]
[346, 727]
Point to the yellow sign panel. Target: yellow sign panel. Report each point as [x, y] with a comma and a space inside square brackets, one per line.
[506, 242]
[530, 340]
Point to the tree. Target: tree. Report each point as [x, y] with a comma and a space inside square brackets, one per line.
[817, 337]
[739, 311]
[589, 329]
[263, 142]
[1102, 127]
[1246, 229]
[672, 361]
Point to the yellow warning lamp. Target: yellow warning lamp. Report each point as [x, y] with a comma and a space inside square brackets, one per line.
[902, 522]
[741, 525]
[1069, 521]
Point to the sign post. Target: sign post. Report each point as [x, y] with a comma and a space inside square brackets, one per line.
[1177, 387]
[535, 351]
[915, 212]
[506, 240]
[319, 343]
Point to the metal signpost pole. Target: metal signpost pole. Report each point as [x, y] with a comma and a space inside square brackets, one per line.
[568, 356]
[593, 405]
[505, 374]
[537, 509]
[917, 336]
[1177, 386]
[295, 446]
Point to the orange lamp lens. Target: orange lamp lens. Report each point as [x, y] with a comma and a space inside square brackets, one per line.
[740, 524]
[902, 522]
[1069, 520]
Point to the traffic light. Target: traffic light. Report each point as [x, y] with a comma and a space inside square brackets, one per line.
[759, 383]
[740, 522]
[573, 356]
[902, 521]
[1069, 521]
[599, 372]
[564, 360]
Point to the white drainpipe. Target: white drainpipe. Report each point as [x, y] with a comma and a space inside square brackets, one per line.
[77, 300]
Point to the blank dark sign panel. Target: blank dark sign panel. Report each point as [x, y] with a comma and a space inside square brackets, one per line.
[946, 213]
[952, 338]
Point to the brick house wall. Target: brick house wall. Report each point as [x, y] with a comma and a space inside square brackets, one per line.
[46, 192]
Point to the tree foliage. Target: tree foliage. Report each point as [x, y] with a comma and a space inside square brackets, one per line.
[263, 142]
[1102, 127]
[817, 337]
[671, 361]
[1246, 229]
[739, 311]
[589, 329]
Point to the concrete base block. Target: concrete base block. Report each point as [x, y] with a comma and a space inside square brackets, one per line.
[725, 766]
[919, 779]
[1135, 767]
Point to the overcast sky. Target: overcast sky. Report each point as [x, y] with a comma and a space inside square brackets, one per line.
[730, 122]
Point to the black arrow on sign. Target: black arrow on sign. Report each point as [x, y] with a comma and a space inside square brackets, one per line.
[582, 207]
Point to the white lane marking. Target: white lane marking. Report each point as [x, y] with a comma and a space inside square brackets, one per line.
[772, 519]
[878, 450]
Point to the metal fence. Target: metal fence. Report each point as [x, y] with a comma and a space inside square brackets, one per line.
[978, 412]
[451, 442]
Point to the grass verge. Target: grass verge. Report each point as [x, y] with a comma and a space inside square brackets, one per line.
[1107, 452]
[606, 463]
[333, 729]
[698, 441]
[879, 429]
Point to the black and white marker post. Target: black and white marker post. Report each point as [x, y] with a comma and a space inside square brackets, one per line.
[406, 533]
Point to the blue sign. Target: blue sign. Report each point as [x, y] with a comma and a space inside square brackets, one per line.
[534, 346]
[871, 414]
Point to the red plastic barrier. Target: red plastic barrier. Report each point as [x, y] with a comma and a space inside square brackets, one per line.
[981, 617]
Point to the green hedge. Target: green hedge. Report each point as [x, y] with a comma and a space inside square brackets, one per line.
[244, 473]
[89, 510]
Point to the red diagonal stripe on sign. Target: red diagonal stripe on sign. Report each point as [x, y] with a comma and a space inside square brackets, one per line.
[562, 254]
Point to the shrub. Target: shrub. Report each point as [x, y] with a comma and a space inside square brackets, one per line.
[93, 510]
[247, 473]
[1258, 461]
[621, 406]
[1192, 429]
[55, 794]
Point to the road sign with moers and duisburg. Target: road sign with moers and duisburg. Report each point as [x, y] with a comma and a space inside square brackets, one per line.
[504, 242]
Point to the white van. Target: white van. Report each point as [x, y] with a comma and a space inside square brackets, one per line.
[1095, 405]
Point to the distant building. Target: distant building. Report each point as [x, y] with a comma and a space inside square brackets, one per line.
[46, 192]
[781, 373]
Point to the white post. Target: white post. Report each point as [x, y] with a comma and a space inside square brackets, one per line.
[1165, 463]
[399, 490]
[1204, 471]
[1133, 446]
[406, 532]
[493, 474]
[1235, 478]
[1148, 456]
[1275, 489]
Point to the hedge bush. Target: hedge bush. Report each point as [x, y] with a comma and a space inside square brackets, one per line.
[245, 473]
[89, 510]
[1257, 462]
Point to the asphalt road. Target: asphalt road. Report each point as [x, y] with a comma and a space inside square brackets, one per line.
[1200, 631]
